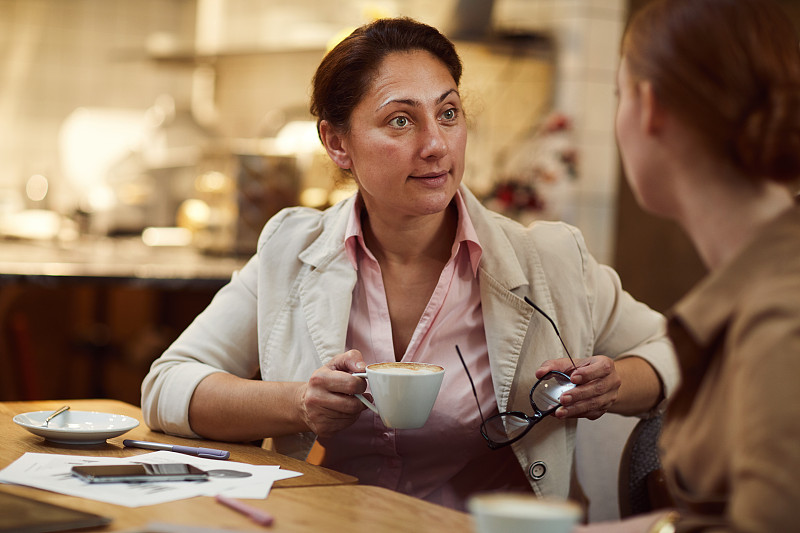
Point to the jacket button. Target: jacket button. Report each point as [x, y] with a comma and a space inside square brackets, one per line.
[537, 470]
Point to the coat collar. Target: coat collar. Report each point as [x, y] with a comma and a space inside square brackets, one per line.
[330, 242]
[507, 273]
[499, 258]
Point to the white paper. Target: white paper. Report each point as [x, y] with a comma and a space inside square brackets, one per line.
[54, 472]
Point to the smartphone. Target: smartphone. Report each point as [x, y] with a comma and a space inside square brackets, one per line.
[139, 473]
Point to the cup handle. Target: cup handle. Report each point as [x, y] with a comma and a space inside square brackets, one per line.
[366, 402]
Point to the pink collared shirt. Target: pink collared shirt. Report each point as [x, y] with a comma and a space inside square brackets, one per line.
[448, 459]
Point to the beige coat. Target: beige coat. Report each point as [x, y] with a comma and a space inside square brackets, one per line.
[731, 441]
[286, 313]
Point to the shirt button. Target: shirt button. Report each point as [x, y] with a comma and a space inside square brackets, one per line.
[537, 470]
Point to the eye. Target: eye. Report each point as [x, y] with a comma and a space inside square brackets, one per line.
[399, 122]
[450, 114]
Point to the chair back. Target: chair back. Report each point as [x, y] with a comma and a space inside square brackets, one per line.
[641, 481]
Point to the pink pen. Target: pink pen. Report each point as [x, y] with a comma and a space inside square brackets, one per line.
[256, 515]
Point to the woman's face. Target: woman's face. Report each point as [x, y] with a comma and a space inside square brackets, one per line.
[637, 146]
[627, 123]
[407, 137]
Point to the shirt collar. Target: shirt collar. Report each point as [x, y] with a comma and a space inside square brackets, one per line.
[465, 232]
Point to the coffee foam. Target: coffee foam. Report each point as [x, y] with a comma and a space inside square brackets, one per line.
[405, 368]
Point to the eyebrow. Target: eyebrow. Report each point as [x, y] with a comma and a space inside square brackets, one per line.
[416, 103]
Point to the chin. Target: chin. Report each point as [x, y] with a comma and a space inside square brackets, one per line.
[436, 203]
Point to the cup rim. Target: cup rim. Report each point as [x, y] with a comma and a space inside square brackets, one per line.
[433, 368]
[479, 503]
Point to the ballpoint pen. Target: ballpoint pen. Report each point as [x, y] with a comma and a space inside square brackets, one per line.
[256, 515]
[208, 453]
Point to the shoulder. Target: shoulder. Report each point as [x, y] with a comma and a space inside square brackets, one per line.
[295, 228]
[771, 302]
[555, 247]
[550, 239]
[765, 314]
[766, 274]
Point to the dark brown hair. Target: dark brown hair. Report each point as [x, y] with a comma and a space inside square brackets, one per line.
[731, 70]
[344, 75]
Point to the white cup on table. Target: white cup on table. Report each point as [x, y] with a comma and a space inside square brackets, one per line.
[404, 393]
[522, 513]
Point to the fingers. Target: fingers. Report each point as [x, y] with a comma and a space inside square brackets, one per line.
[326, 413]
[324, 404]
[326, 380]
[596, 367]
[327, 402]
[598, 386]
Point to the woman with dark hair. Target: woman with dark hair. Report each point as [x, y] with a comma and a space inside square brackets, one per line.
[405, 270]
[708, 127]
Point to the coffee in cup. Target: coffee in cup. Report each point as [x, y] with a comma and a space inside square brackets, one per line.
[522, 513]
[404, 393]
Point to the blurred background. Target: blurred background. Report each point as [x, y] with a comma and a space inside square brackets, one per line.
[144, 143]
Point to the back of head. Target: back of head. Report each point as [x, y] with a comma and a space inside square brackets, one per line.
[731, 70]
[344, 75]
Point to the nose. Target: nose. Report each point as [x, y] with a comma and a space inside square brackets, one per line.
[433, 142]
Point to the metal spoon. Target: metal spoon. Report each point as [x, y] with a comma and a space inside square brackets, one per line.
[221, 472]
[55, 414]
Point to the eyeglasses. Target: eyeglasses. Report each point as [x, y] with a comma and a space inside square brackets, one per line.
[506, 428]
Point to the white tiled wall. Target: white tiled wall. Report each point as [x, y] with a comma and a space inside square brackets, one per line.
[587, 35]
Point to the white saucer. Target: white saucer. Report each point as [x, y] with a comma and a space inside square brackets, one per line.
[76, 427]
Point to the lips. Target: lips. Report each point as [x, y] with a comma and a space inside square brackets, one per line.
[431, 175]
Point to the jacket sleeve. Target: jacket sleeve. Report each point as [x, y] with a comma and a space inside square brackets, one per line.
[623, 326]
[223, 338]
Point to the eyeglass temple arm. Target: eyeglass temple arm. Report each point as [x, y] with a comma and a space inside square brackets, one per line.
[472, 384]
[528, 300]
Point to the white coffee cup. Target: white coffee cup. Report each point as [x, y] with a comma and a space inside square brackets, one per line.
[404, 393]
[522, 513]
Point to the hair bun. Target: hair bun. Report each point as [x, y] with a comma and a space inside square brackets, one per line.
[769, 141]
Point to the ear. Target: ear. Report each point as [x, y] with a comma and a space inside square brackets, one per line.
[652, 112]
[334, 145]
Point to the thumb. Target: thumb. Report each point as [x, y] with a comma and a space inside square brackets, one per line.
[562, 365]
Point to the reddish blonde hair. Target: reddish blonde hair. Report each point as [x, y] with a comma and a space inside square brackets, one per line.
[731, 70]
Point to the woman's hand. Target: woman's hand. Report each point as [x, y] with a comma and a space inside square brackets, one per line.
[326, 403]
[597, 381]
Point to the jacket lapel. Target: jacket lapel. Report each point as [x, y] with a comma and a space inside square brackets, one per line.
[326, 292]
[503, 284]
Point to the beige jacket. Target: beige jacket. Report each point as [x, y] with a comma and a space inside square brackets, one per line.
[286, 313]
[731, 439]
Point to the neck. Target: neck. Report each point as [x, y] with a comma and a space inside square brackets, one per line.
[722, 211]
[411, 240]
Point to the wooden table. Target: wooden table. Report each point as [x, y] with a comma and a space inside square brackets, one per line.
[320, 500]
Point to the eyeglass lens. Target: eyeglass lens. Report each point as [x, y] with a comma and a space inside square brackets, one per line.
[545, 396]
